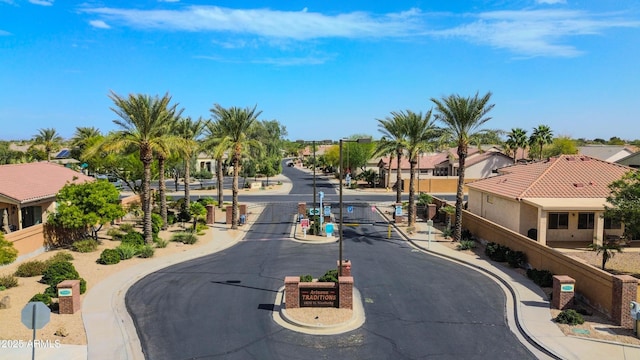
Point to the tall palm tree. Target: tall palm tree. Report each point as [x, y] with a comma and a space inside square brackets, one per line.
[234, 126]
[541, 136]
[213, 144]
[50, 139]
[462, 117]
[189, 132]
[392, 141]
[420, 134]
[143, 122]
[518, 138]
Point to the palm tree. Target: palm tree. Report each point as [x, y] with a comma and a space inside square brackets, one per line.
[50, 139]
[462, 117]
[420, 133]
[392, 141]
[213, 143]
[510, 149]
[143, 122]
[234, 126]
[518, 139]
[189, 132]
[541, 135]
[607, 250]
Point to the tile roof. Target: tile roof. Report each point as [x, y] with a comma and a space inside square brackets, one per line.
[565, 176]
[33, 181]
[605, 152]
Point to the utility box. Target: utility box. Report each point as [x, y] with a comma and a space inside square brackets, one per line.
[69, 296]
[635, 315]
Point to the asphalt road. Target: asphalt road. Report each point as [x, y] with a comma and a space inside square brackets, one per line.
[416, 305]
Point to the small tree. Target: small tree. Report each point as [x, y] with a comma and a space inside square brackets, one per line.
[197, 210]
[607, 251]
[625, 201]
[8, 253]
[87, 206]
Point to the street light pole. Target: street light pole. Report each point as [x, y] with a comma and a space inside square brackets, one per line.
[365, 140]
[340, 213]
[314, 174]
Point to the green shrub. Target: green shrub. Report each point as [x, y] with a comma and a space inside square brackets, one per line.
[8, 281]
[466, 234]
[85, 246]
[542, 278]
[466, 245]
[134, 238]
[46, 299]
[447, 233]
[185, 237]
[109, 257]
[156, 223]
[59, 272]
[116, 234]
[171, 218]
[2, 288]
[496, 252]
[329, 276]
[126, 227]
[306, 278]
[160, 242]
[570, 317]
[8, 253]
[51, 292]
[60, 256]
[208, 201]
[516, 259]
[127, 251]
[31, 268]
[83, 286]
[146, 251]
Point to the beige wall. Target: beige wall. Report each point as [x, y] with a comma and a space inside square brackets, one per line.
[528, 218]
[27, 240]
[592, 283]
[494, 208]
[484, 169]
[437, 185]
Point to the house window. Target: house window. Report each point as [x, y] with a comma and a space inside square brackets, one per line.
[558, 220]
[611, 224]
[489, 199]
[585, 220]
[31, 215]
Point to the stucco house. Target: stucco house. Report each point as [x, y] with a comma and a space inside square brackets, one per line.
[28, 192]
[438, 172]
[632, 160]
[559, 199]
[610, 153]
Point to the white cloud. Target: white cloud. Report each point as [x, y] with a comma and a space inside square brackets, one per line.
[4, 33]
[536, 32]
[526, 32]
[42, 2]
[551, 2]
[299, 25]
[99, 24]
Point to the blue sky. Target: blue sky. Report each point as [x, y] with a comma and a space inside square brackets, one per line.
[324, 69]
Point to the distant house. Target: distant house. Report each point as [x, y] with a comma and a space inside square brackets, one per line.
[553, 200]
[438, 172]
[610, 153]
[632, 160]
[28, 192]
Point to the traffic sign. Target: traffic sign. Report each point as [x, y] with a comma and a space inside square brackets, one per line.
[304, 223]
[314, 211]
[35, 315]
[350, 209]
[327, 210]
